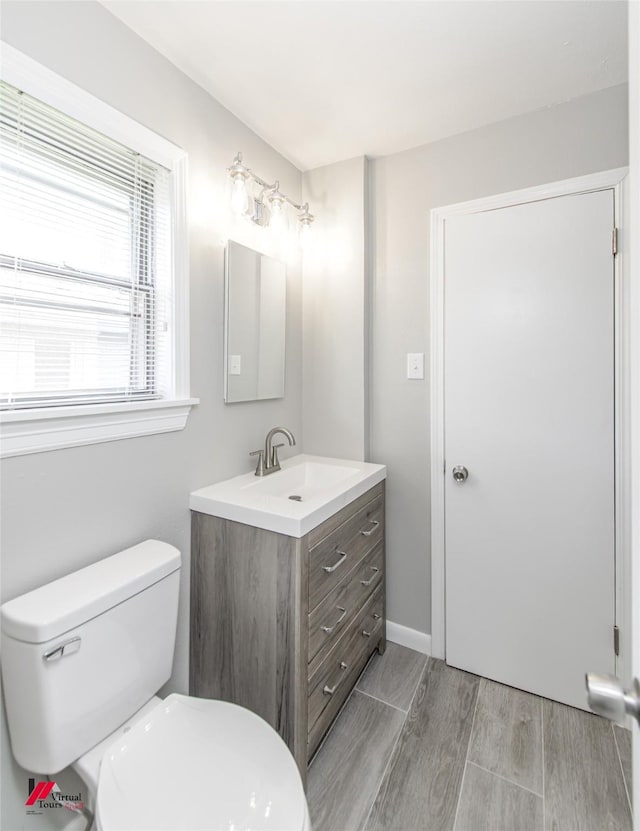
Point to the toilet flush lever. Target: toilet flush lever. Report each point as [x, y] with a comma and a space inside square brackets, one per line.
[62, 650]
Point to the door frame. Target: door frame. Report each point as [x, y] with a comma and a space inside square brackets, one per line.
[604, 180]
[633, 248]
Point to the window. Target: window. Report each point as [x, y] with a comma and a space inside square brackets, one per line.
[85, 259]
[88, 289]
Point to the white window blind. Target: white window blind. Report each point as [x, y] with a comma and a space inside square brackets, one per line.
[85, 263]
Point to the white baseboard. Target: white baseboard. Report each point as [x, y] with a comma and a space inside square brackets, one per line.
[411, 638]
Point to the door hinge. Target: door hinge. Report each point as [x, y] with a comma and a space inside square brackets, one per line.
[614, 241]
[616, 639]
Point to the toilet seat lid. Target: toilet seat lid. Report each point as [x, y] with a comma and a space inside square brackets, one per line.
[194, 764]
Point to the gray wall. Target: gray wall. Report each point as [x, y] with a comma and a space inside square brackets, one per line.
[335, 312]
[65, 509]
[571, 139]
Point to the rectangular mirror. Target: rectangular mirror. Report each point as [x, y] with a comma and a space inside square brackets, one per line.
[255, 319]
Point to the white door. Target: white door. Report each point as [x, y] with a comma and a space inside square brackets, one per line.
[529, 412]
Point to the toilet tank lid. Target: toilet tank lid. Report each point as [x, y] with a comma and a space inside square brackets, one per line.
[64, 604]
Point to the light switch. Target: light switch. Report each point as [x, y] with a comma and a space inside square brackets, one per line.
[235, 364]
[415, 365]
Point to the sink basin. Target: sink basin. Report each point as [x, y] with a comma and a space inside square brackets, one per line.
[292, 501]
[307, 479]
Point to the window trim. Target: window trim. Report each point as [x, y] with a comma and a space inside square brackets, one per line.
[40, 429]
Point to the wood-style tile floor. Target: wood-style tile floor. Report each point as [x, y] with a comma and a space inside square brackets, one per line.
[420, 746]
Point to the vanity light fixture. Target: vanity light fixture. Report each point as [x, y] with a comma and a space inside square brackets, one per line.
[306, 220]
[240, 193]
[269, 207]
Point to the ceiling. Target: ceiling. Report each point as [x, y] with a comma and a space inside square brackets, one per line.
[326, 81]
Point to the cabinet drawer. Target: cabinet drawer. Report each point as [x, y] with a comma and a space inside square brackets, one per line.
[341, 551]
[331, 617]
[332, 682]
[325, 528]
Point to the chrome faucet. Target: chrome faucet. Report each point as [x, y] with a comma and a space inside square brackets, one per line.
[268, 461]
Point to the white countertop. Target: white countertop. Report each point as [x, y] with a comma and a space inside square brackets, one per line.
[325, 486]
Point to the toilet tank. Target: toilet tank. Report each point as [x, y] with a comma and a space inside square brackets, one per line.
[82, 654]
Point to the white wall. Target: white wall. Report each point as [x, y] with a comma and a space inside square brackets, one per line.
[335, 312]
[571, 139]
[65, 509]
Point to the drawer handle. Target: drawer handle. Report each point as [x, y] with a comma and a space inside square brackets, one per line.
[375, 574]
[329, 629]
[343, 555]
[368, 533]
[366, 634]
[327, 690]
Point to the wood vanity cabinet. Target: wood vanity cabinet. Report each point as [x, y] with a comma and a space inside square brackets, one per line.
[284, 626]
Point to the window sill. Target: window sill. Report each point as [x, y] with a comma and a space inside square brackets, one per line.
[39, 430]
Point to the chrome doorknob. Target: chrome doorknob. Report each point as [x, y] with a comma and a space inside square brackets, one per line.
[607, 697]
[460, 473]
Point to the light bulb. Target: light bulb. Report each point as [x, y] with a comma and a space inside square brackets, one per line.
[305, 221]
[278, 222]
[240, 196]
[305, 235]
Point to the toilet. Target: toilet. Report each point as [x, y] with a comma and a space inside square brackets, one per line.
[82, 660]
